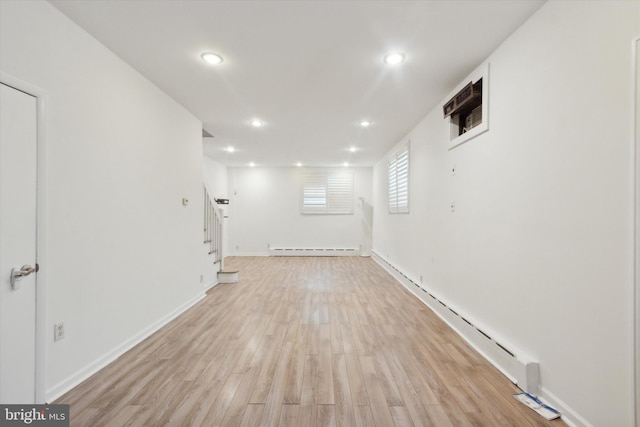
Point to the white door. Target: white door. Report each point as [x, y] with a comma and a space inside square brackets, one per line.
[18, 168]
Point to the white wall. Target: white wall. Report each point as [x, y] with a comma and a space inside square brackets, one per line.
[215, 178]
[122, 252]
[539, 249]
[266, 209]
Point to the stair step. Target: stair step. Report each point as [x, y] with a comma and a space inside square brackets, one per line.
[228, 276]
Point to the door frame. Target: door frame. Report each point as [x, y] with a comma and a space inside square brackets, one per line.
[636, 225]
[41, 232]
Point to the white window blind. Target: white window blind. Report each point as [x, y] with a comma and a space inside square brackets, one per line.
[399, 181]
[327, 193]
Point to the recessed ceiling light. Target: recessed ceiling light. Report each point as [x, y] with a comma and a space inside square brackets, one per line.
[212, 58]
[256, 123]
[251, 164]
[393, 58]
[298, 164]
[365, 123]
[353, 149]
[345, 164]
[230, 149]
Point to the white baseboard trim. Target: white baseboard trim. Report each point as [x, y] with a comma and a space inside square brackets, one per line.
[509, 366]
[73, 380]
[569, 416]
[210, 285]
[249, 254]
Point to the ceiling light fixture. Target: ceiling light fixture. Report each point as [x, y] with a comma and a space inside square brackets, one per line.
[212, 58]
[256, 123]
[298, 164]
[346, 164]
[393, 58]
[365, 123]
[353, 149]
[230, 149]
[251, 164]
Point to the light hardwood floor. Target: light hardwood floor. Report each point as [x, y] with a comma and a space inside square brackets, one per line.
[302, 342]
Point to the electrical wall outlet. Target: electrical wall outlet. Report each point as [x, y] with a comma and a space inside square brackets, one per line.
[58, 331]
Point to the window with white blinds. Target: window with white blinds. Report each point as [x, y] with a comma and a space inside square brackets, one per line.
[399, 181]
[327, 193]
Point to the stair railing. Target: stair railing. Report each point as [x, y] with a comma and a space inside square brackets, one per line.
[213, 228]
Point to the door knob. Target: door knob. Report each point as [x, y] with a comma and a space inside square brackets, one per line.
[24, 271]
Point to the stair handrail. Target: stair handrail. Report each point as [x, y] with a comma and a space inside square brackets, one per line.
[213, 228]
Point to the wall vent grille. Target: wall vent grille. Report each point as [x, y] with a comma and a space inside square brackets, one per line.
[314, 251]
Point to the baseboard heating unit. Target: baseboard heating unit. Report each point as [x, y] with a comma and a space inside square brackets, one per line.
[519, 368]
[295, 251]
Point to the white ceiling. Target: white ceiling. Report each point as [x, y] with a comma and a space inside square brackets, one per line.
[311, 70]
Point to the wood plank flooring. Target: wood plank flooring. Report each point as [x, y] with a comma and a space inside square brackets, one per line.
[302, 342]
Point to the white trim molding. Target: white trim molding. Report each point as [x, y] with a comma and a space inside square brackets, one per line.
[84, 373]
[636, 225]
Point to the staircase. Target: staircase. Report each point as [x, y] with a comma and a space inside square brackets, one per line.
[212, 229]
[213, 238]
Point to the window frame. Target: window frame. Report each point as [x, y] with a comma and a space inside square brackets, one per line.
[398, 180]
[333, 193]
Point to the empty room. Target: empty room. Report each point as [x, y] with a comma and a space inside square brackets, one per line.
[320, 213]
